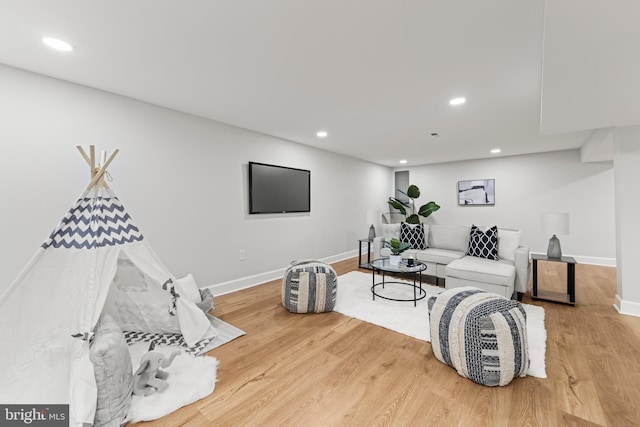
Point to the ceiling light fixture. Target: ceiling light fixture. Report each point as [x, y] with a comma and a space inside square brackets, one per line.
[495, 151]
[322, 134]
[457, 101]
[57, 44]
[403, 162]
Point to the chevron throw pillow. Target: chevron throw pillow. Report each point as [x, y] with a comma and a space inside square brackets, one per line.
[483, 244]
[413, 234]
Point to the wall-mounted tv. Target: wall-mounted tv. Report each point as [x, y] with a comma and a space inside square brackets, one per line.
[278, 189]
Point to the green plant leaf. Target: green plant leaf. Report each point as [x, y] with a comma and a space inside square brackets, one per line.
[428, 208]
[413, 191]
[412, 219]
[396, 246]
[403, 247]
[397, 204]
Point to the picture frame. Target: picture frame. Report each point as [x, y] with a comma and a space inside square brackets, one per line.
[477, 192]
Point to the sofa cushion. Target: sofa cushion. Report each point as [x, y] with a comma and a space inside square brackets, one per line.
[414, 234]
[438, 256]
[483, 244]
[482, 270]
[508, 242]
[452, 237]
[389, 231]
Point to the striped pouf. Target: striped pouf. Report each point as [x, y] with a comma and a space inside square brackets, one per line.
[481, 334]
[309, 287]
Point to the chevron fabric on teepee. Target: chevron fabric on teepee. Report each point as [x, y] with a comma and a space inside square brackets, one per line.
[94, 222]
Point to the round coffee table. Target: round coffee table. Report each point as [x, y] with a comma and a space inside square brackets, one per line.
[383, 265]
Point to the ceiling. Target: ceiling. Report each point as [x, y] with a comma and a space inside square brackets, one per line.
[377, 75]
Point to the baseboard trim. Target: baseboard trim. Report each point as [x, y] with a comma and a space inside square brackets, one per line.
[258, 279]
[591, 260]
[629, 308]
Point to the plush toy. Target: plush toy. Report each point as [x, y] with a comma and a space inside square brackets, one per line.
[149, 378]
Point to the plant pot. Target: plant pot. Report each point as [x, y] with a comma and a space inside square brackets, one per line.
[395, 259]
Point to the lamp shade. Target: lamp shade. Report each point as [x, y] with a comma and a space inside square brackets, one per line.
[373, 217]
[554, 223]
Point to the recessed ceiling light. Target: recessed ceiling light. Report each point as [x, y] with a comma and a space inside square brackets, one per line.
[495, 151]
[457, 101]
[403, 162]
[57, 44]
[322, 134]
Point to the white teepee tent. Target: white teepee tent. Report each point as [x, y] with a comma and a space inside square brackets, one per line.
[48, 313]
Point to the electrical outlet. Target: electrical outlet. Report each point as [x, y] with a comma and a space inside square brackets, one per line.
[242, 255]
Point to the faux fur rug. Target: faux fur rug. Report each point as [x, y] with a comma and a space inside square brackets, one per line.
[355, 300]
[190, 378]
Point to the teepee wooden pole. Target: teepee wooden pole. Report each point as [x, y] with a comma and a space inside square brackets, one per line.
[101, 171]
[84, 155]
[92, 165]
[90, 159]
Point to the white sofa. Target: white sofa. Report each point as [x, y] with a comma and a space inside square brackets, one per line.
[445, 257]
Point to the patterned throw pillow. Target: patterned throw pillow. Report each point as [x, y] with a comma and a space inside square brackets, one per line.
[413, 234]
[483, 244]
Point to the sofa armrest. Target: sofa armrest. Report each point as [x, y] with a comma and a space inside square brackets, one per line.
[522, 269]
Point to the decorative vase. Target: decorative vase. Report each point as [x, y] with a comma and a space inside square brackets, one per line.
[395, 259]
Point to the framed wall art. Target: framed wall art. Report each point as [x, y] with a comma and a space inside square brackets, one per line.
[477, 192]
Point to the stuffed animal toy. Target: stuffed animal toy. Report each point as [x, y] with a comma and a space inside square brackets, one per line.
[149, 378]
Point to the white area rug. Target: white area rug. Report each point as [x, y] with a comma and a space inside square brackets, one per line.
[355, 300]
[190, 378]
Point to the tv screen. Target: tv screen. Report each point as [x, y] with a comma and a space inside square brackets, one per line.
[278, 189]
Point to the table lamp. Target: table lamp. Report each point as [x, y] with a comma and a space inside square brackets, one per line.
[555, 223]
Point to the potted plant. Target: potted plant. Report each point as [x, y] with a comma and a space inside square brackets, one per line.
[413, 192]
[397, 247]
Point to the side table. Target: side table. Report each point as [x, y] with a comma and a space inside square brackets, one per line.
[366, 265]
[570, 296]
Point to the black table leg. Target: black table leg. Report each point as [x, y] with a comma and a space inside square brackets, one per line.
[373, 283]
[571, 282]
[535, 277]
[414, 290]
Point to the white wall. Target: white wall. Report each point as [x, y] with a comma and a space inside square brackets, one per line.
[182, 178]
[526, 186]
[626, 160]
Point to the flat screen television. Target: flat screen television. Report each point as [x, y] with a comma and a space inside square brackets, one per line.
[278, 189]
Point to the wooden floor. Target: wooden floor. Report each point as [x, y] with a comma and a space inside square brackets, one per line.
[332, 370]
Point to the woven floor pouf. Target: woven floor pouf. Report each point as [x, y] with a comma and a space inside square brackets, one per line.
[482, 335]
[309, 287]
